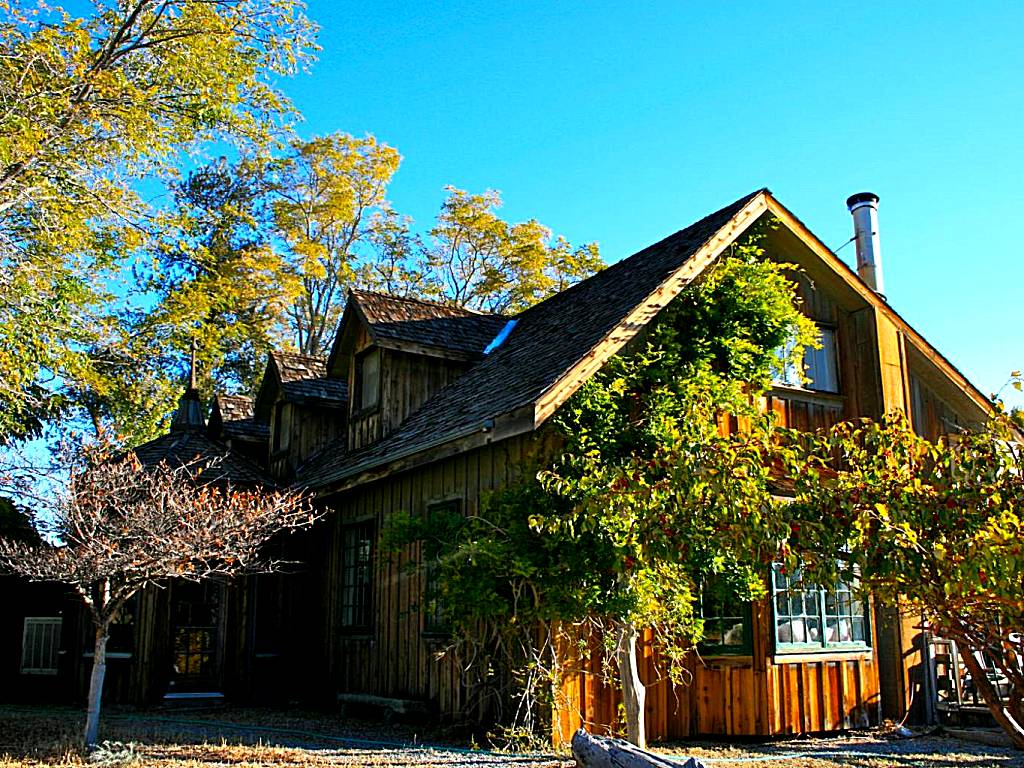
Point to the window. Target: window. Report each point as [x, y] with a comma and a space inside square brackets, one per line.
[121, 642]
[40, 645]
[356, 575]
[820, 365]
[434, 620]
[367, 380]
[727, 623]
[808, 617]
[282, 425]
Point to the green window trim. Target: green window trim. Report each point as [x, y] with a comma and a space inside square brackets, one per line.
[728, 627]
[812, 619]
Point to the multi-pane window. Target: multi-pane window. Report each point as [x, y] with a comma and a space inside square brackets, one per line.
[435, 621]
[727, 623]
[40, 645]
[809, 617]
[820, 366]
[197, 614]
[356, 575]
[367, 380]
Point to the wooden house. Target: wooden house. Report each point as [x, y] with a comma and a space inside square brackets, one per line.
[421, 405]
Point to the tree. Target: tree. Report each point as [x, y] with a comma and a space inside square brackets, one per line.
[124, 527]
[935, 529]
[639, 501]
[222, 283]
[481, 262]
[330, 195]
[89, 107]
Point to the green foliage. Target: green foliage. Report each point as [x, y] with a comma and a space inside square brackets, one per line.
[478, 260]
[933, 528]
[89, 107]
[220, 279]
[642, 497]
[329, 200]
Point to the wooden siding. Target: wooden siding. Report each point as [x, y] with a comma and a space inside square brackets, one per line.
[308, 428]
[407, 381]
[394, 657]
[931, 416]
[761, 695]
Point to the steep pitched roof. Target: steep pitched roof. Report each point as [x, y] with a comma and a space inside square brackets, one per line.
[330, 392]
[222, 465]
[302, 378]
[234, 407]
[550, 340]
[234, 416]
[292, 366]
[559, 343]
[413, 325]
[427, 323]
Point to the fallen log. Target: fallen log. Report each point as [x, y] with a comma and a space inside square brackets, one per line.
[605, 752]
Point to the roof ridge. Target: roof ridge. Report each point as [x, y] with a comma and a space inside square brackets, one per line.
[575, 287]
[427, 302]
[286, 353]
[552, 337]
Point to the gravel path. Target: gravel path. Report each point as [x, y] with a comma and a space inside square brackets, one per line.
[240, 738]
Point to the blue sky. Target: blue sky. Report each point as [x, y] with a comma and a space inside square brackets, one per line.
[623, 122]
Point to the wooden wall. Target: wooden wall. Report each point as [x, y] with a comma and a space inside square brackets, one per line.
[308, 427]
[764, 694]
[759, 695]
[393, 657]
[407, 381]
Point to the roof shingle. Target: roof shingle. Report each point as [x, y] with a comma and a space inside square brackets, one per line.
[548, 340]
[428, 323]
[222, 464]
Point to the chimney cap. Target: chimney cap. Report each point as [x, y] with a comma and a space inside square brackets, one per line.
[861, 197]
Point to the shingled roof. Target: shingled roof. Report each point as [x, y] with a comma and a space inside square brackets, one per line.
[221, 464]
[234, 407]
[234, 416]
[292, 366]
[426, 323]
[548, 341]
[303, 378]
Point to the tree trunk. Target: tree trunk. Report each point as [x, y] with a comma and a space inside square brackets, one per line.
[99, 670]
[633, 691]
[603, 752]
[1013, 727]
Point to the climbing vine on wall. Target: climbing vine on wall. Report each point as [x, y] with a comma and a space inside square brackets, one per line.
[636, 497]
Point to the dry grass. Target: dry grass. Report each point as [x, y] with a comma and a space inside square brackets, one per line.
[237, 738]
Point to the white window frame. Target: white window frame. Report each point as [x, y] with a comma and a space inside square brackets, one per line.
[827, 357]
[34, 651]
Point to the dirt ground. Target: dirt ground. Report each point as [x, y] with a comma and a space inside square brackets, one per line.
[242, 738]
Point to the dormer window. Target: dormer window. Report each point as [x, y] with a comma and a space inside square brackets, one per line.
[367, 395]
[282, 426]
[821, 366]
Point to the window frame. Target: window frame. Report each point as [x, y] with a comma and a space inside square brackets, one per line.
[746, 648]
[783, 378]
[28, 624]
[282, 427]
[355, 599]
[823, 644]
[359, 389]
[434, 624]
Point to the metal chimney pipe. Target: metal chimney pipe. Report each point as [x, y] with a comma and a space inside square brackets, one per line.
[864, 209]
